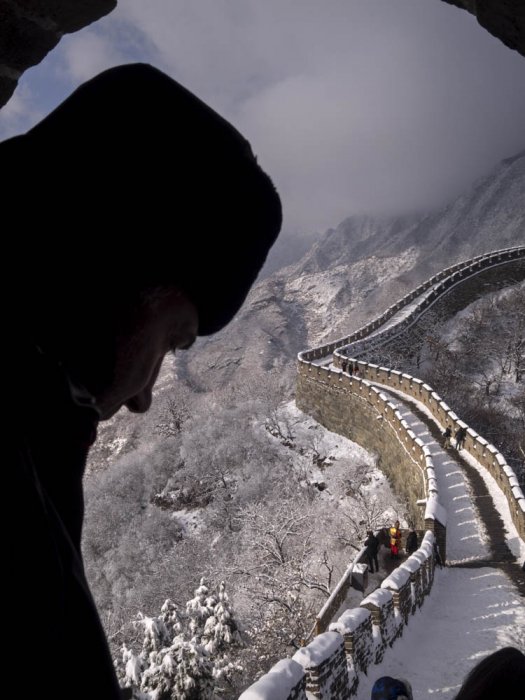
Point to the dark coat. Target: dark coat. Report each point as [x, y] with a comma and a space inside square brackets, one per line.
[56, 642]
[411, 544]
[372, 545]
[461, 434]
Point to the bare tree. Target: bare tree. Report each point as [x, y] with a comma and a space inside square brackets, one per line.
[366, 512]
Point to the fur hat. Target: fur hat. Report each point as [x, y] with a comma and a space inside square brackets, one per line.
[134, 182]
[387, 688]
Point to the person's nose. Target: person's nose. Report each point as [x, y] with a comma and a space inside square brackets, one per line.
[141, 401]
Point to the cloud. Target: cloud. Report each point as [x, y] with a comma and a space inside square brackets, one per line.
[19, 114]
[87, 54]
[352, 106]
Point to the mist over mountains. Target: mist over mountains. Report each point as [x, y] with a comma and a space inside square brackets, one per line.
[350, 275]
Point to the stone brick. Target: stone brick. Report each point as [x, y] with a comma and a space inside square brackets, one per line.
[399, 584]
[324, 662]
[381, 605]
[355, 626]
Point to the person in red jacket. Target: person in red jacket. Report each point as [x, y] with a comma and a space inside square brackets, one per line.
[395, 540]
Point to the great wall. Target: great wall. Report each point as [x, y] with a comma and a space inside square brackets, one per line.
[372, 407]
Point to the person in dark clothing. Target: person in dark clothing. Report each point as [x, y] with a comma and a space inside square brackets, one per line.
[499, 675]
[90, 316]
[461, 435]
[447, 436]
[388, 688]
[437, 555]
[411, 543]
[372, 547]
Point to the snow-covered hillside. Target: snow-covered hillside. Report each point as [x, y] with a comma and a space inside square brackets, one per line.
[353, 273]
[196, 485]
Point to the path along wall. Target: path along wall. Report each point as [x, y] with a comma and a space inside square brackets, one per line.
[370, 422]
[354, 407]
[428, 292]
[330, 667]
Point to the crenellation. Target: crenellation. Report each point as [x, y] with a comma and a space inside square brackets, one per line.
[399, 583]
[351, 406]
[284, 681]
[413, 565]
[325, 667]
[381, 605]
[355, 626]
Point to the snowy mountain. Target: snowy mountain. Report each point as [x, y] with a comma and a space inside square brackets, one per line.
[491, 215]
[349, 276]
[353, 272]
[171, 504]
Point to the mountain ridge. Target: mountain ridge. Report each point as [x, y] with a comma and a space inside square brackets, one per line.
[355, 270]
[349, 276]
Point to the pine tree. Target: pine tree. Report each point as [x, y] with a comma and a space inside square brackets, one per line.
[182, 671]
[184, 653]
[220, 629]
[200, 608]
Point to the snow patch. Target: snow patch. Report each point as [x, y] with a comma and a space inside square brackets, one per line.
[320, 649]
[350, 620]
[280, 680]
[396, 580]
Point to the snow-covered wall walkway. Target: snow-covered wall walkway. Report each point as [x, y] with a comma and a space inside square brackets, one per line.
[475, 607]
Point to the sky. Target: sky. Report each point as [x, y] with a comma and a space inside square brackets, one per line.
[352, 106]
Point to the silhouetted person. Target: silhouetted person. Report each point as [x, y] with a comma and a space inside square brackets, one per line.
[142, 220]
[447, 435]
[372, 547]
[500, 675]
[461, 435]
[411, 543]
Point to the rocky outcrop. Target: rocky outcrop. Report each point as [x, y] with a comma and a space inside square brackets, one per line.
[29, 29]
[505, 19]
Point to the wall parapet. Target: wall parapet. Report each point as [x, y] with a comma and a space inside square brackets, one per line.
[330, 667]
[480, 449]
[350, 349]
[362, 635]
[454, 274]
